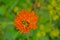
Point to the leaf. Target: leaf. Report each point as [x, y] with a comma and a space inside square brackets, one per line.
[44, 38]
[9, 33]
[2, 10]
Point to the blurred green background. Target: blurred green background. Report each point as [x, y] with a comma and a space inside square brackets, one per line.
[48, 22]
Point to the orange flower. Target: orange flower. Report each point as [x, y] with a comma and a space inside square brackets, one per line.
[38, 5]
[25, 21]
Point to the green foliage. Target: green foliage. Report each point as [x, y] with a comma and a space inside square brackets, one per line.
[48, 17]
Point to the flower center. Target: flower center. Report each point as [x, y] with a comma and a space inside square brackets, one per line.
[25, 23]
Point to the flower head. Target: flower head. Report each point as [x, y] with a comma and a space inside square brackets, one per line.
[25, 21]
